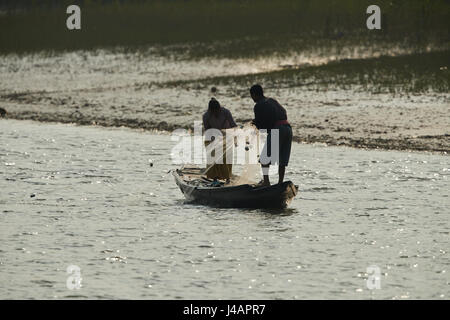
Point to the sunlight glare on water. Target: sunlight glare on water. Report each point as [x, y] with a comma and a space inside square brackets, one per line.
[86, 196]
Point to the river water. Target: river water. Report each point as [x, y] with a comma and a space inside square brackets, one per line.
[87, 196]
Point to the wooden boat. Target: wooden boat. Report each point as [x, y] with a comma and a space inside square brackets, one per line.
[196, 188]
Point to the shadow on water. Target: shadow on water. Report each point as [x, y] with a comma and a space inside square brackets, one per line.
[265, 212]
[273, 213]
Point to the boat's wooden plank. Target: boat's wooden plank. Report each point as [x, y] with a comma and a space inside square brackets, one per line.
[196, 187]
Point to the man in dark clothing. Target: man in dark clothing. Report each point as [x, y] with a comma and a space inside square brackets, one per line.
[270, 115]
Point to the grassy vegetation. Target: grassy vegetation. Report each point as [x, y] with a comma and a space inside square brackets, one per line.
[235, 27]
[416, 73]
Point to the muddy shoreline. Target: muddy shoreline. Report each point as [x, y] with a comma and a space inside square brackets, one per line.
[439, 144]
[393, 103]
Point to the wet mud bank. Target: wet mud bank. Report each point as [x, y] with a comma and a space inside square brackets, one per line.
[395, 103]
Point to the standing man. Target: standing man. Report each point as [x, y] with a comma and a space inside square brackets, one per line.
[270, 115]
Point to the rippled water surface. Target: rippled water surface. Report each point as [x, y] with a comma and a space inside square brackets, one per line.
[87, 196]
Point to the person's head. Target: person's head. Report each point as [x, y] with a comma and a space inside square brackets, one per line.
[256, 91]
[214, 106]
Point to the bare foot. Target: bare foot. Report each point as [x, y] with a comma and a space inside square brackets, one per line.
[262, 183]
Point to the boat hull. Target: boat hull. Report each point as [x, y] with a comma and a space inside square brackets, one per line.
[241, 196]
